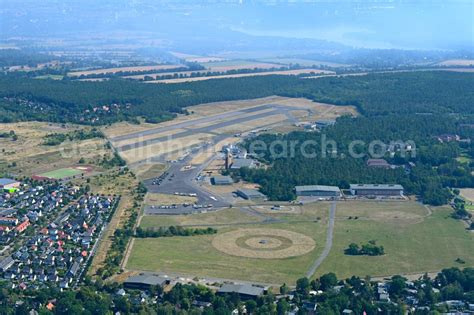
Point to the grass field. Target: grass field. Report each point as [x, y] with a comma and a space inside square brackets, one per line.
[196, 256]
[148, 171]
[50, 76]
[416, 239]
[61, 173]
[411, 247]
[226, 216]
[152, 199]
[468, 195]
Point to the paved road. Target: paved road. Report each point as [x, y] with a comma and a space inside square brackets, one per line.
[184, 181]
[328, 246]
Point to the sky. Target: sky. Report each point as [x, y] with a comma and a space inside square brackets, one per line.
[421, 24]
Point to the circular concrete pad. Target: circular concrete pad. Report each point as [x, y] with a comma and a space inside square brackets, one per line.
[263, 243]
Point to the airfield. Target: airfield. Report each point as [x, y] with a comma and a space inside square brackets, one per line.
[257, 241]
[190, 144]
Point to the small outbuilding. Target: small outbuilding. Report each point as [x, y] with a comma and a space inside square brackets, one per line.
[222, 180]
[239, 163]
[245, 291]
[145, 281]
[251, 194]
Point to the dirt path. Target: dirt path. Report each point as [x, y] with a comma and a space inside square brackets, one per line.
[329, 239]
[123, 264]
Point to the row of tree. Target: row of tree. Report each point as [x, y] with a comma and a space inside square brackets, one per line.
[172, 231]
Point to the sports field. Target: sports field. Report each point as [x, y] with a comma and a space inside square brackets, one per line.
[61, 173]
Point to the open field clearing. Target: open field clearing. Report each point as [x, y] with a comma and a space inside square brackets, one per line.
[427, 244]
[226, 216]
[50, 76]
[147, 171]
[32, 157]
[196, 58]
[124, 127]
[457, 62]
[304, 62]
[393, 212]
[240, 75]
[468, 195]
[238, 65]
[152, 199]
[168, 133]
[196, 256]
[123, 69]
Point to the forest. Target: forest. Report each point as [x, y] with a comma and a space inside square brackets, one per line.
[428, 93]
[426, 171]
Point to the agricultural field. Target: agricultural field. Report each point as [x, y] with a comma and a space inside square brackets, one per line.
[457, 62]
[304, 62]
[50, 76]
[238, 65]
[124, 69]
[412, 235]
[196, 58]
[240, 75]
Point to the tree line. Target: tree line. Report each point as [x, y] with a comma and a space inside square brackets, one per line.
[172, 231]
